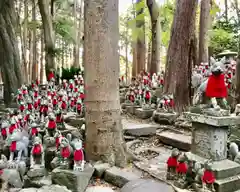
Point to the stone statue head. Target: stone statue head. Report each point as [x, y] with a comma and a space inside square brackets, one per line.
[37, 141]
[64, 142]
[175, 152]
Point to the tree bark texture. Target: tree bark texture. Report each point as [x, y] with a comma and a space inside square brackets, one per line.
[155, 53]
[177, 66]
[140, 45]
[9, 52]
[48, 34]
[104, 136]
[34, 44]
[203, 30]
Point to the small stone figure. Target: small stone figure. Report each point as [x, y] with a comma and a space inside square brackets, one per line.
[208, 178]
[59, 119]
[58, 138]
[182, 167]
[66, 152]
[147, 96]
[51, 125]
[78, 156]
[19, 144]
[79, 107]
[172, 164]
[34, 129]
[37, 153]
[4, 130]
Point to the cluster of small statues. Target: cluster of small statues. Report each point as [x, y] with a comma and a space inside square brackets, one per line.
[37, 124]
[189, 174]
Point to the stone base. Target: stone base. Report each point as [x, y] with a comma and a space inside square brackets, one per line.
[36, 171]
[144, 113]
[132, 109]
[124, 105]
[73, 180]
[227, 173]
[165, 118]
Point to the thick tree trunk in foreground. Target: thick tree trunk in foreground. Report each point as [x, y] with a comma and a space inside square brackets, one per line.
[177, 66]
[9, 53]
[48, 34]
[34, 44]
[155, 56]
[104, 139]
[203, 30]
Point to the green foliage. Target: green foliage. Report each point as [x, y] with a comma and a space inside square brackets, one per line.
[69, 73]
[223, 37]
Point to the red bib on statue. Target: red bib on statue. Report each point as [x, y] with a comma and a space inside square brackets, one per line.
[65, 152]
[37, 150]
[13, 146]
[78, 155]
[216, 87]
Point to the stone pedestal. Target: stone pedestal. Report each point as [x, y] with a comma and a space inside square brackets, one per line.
[132, 108]
[144, 113]
[209, 141]
[164, 118]
[73, 180]
[124, 105]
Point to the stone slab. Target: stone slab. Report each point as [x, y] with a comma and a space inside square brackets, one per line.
[74, 180]
[229, 184]
[224, 121]
[141, 129]
[144, 113]
[177, 140]
[119, 177]
[99, 189]
[143, 185]
[123, 105]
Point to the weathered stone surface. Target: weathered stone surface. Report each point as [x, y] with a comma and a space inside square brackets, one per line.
[99, 189]
[36, 172]
[144, 113]
[209, 141]
[132, 109]
[75, 122]
[141, 129]
[37, 182]
[119, 177]
[122, 99]
[49, 155]
[100, 168]
[50, 188]
[143, 185]
[123, 105]
[74, 181]
[13, 177]
[177, 140]
[212, 120]
[164, 118]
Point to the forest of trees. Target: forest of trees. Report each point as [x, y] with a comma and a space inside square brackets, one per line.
[39, 35]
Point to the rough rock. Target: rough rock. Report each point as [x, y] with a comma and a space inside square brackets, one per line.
[132, 109]
[143, 185]
[37, 182]
[73, 180]
[99, 189]
[75, 122]
[100, 168]
[36, 172]
[13, 177]
[141, 129]
[119, 177]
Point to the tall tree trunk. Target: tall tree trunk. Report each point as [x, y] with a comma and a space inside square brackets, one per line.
[9, 52]
[203, 31]
[134, 53]
[155, 55]
[177, 66]
[25, 40]
[140, 46]
[103, 119]
[126, 60]
[41, 59]
[48, 34]
[30, 63]
[226, 10]
[149, 57]
[34, 44]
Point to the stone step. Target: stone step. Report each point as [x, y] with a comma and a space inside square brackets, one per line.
[177, 140]
[140, 129]
[144, 113]
[229, 184]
